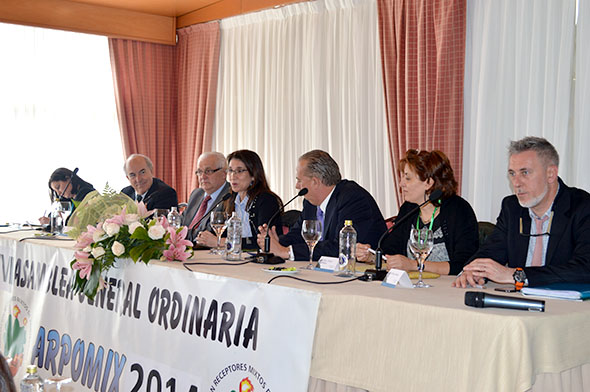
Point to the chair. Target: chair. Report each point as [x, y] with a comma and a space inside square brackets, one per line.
[289, 218]
[390, 221]
[485, 229]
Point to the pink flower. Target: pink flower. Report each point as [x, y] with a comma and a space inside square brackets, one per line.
[178, 239]
[84, 266]
[176, 253]
[85, 239]
[142, 210]
[101, 283]
[118, 219]
[80, 255]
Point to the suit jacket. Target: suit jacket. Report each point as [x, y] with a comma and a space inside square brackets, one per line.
[160, 195]
[194, 203]
[348, 201]
[458, 224]
[568, 250]
[264, 206]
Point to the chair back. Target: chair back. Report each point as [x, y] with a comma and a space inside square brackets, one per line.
[289, 218]
[485, 229]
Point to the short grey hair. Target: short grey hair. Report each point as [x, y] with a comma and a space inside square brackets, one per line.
[541, 146]
[219, 158]
[321, 165]
[148, 162]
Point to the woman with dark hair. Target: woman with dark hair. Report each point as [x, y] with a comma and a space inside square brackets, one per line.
[64, 183]
[252, 198]
[451, 218]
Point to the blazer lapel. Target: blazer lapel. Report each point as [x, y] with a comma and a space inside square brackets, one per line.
[559, 225]
[522, 242]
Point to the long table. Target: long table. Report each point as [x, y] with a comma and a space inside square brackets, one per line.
[375, 338]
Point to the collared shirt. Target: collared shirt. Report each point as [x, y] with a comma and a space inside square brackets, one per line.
[142, 196]
[214, 197]
[545, 238]
[240, 207]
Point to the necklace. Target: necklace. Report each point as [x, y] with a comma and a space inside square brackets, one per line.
[431, 219]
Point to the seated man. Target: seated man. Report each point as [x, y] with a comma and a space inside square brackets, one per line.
[211, 170]
[542, 235]
[331, 200]
[154, 193]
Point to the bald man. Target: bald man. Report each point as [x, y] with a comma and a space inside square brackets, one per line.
[154, 192]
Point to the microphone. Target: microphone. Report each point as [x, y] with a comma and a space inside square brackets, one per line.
[378, 273]
[68, 184]
[224, 198]
[478, 299]
[266, 257]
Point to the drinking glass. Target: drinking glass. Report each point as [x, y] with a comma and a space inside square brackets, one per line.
[217, 222]
[421, 243]
[311, 231]
[59, 382]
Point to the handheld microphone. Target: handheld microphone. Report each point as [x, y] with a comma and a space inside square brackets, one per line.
[68, 184]
[378, 273]
[224, 198]
[266, 257]
[478, 299]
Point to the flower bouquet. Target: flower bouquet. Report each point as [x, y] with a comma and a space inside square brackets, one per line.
[121, 229]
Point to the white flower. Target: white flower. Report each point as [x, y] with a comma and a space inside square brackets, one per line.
[111, 228]
[156, 232]
[118, 248]
[98, 235]
[88, 249]
[131, 218]
[134, 226]
[97, 252]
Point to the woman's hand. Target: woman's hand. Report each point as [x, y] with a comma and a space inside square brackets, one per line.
[207, 238]
[44, 220]
[401, 262]
[362, 252]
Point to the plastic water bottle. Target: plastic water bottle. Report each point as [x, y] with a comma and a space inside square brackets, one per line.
[347, 250]
[32, 382]
[55, 217]
[234, 238]
[174, 218]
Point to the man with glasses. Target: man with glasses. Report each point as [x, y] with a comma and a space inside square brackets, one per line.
[542, 234]
[152, 191]
[211, 171]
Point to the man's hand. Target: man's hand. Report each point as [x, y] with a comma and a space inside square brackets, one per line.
[206, 238]
[475, 272]
[275, 246]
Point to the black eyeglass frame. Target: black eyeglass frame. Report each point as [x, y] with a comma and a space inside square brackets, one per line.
[207, 171]
[548, 232]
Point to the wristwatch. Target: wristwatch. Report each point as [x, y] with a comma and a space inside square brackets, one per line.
[519, 278]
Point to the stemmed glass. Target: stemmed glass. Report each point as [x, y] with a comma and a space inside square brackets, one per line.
[421, 243]
[217, 221]
[311, 231]
[58, 382]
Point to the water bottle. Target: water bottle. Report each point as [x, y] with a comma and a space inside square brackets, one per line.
[32, 382]
[55, 217]
[347, 250]
[174, 218]
[234, 238]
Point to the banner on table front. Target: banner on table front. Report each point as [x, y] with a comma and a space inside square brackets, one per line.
[154, 328]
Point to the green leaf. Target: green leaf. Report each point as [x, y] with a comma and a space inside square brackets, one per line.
[92, 284]
[136, 252]
[141, 234]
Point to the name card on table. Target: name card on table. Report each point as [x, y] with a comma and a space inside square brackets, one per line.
[397, 278]
[328, 264]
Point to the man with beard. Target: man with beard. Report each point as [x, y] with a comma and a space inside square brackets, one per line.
[542, 234]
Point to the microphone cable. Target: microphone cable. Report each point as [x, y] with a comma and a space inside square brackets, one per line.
[362, 277]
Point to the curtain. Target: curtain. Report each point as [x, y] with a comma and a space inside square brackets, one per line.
[302, 77]
[577, 158]
[518, 80]
[198, 63]
[423, 51]
[144, 76]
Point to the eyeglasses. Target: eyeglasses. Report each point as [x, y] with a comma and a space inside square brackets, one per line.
[207, 171]
[548, 232]
[237, 171]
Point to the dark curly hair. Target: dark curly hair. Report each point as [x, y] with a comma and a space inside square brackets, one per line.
[432, 164]
[63, 174]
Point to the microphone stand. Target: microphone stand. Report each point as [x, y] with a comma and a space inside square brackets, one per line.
[265, 257]
[379, 273]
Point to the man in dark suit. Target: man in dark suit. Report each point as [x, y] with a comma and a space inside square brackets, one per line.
[542, 235]
[211, 171]
[145, 187]
[333, 200]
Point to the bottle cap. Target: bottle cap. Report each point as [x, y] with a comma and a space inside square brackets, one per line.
[348, 222]
[31, 369]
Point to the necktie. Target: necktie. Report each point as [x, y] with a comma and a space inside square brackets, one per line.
[320, 217]
[538, 252]
[139, 198]
[200, 212]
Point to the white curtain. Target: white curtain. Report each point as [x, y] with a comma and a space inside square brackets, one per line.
[57, 109]
[302, 77]
[518, 82]
[579, 159]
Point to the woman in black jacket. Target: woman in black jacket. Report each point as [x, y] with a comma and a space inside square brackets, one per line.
[451, 218]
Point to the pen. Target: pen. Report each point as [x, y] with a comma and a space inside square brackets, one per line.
[373, 252]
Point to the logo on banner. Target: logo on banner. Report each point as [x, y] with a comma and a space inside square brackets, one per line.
[15, 323]
[242, 375]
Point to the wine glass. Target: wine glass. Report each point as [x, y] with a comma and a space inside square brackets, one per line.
[311, 231]
[421, 243]
[217, 222]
